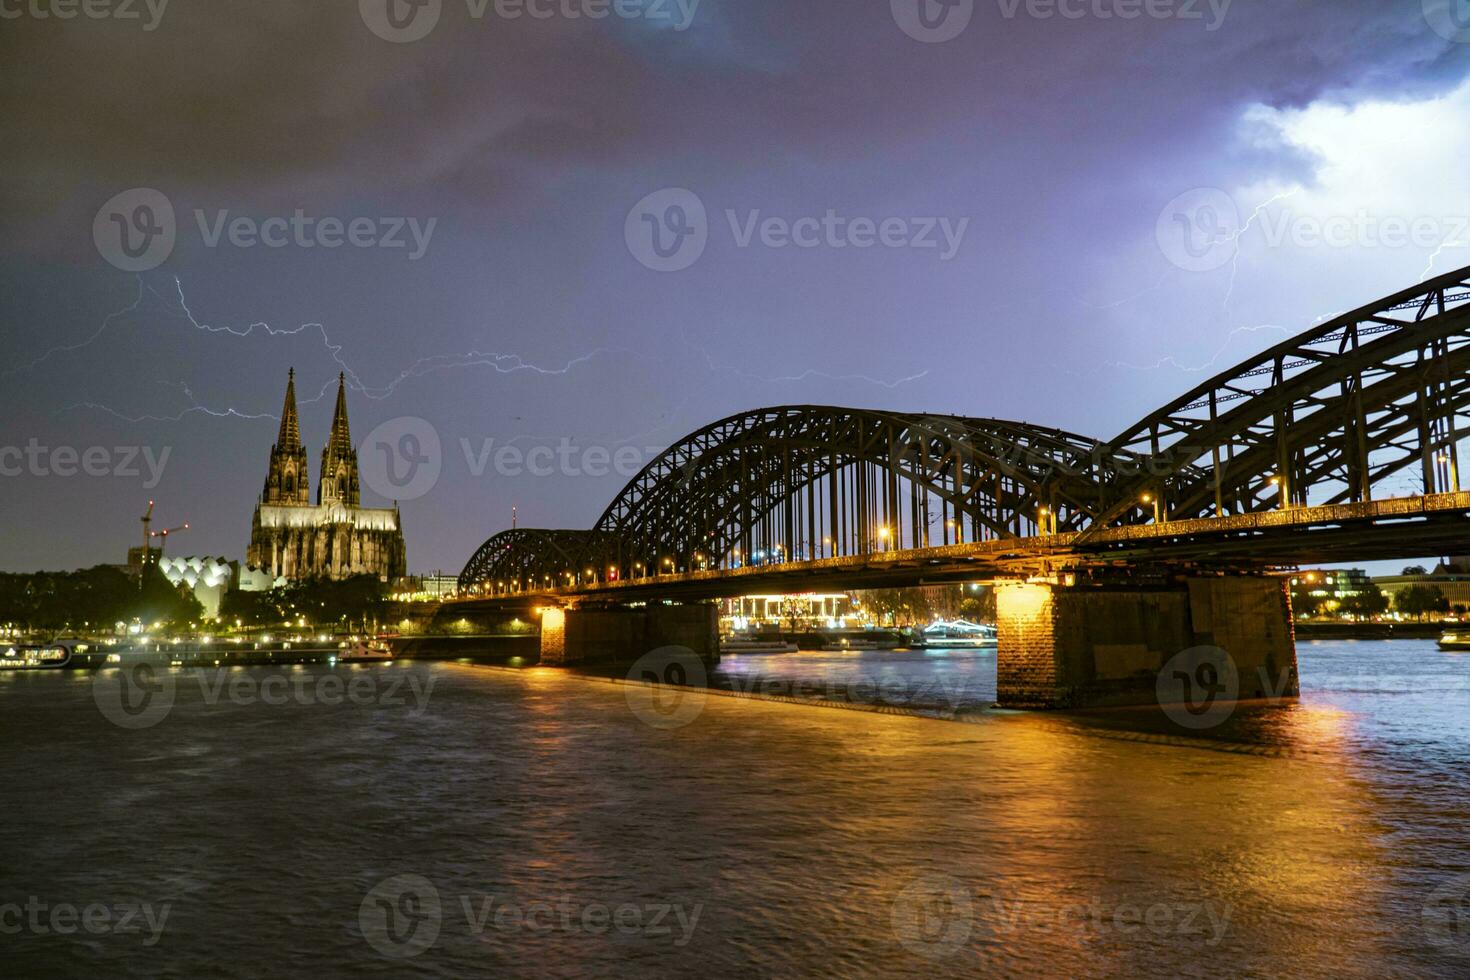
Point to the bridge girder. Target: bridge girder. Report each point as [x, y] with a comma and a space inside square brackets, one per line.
[1325, 414]
[1329, 416]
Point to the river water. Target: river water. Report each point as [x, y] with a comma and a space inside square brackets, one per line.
[451, 820]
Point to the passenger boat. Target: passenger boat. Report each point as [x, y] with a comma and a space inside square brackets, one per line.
[1455, 640]
[755, 644]
[56, 655]
[959, 633]
[366, 649]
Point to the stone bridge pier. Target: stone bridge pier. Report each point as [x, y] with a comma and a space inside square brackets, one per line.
[610, 635]
[1084, 645]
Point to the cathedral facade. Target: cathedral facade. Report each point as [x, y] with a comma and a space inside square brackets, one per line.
[334, 538]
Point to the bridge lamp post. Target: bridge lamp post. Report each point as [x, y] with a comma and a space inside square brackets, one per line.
[669, 563]
[1045, 523]
[828, 543]
[1275, 481]
[1149, 498]
[1448, 459]
[958, 529]
[883, 535]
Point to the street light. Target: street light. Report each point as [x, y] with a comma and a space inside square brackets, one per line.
[1149, 498]
[1275, 481]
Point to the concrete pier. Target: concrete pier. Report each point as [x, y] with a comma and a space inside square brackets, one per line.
[1082, 646]
[623, 634]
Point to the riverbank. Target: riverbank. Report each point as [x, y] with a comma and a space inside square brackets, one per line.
[1370, 631]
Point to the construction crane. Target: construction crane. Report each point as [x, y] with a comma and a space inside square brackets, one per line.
[148, 536]
[163, 536]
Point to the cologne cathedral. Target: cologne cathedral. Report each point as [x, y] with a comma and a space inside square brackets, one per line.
[334, 538]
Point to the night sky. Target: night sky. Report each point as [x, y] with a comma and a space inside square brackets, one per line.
[1049, 147]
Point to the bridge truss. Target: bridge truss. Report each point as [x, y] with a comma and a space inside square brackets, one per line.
[1352, 408]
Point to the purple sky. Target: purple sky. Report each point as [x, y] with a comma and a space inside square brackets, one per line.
[1048, 146]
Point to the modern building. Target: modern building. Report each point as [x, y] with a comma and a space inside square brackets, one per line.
[209, 578]
[425, 588]
[1447, 578]
[335, 538]
[811, 610]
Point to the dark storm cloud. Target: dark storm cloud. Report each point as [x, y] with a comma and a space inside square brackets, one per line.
[301, 100]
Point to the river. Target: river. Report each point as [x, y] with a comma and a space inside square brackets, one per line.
[449, 820]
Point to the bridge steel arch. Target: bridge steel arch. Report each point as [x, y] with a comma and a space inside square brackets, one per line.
[1351, 408]
[1372, 401]
[526, 558]
[783, 484]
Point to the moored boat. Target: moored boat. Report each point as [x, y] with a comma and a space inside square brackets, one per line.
[959, 633]
[56, 655]
[755, 644]
[1455, 640]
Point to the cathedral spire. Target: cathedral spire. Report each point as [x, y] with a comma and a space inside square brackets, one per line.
[290, 434]
[286, 482]
[341, 438]
[339, 482]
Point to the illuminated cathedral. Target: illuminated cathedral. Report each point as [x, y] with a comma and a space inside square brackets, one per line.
[334, 538]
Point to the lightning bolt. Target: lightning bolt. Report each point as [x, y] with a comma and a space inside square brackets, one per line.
[1434, 256]
[1171, 361]
[67, 348]
[1235, 240]
[177, 305]
[809, 373]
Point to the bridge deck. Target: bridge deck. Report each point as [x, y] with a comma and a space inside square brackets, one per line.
[1406, 527]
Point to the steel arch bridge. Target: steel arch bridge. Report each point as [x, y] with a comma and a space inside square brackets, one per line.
[1348, 410]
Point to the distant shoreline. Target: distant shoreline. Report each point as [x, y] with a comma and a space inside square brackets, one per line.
[1370, 631]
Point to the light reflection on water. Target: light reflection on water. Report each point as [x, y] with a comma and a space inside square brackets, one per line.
[806, 837]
